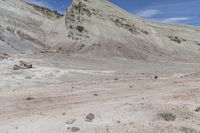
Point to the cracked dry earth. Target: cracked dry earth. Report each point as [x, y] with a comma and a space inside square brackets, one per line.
[110, 96]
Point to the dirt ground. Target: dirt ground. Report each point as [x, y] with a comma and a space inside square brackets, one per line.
[121, 95]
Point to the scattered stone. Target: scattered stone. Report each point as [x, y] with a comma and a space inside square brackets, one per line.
[116, 79]
[71, 121]
[16, 67]
[75, 129]
[4, 56]
[168, 116]
[95, 94]
[29, 98]
[107, 128]
[23, 65]
[155, 77]
[26, 65]
[80, 28]
[63, 113]
[90, 117]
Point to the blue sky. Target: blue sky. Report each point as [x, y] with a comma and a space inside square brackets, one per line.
[169, 11]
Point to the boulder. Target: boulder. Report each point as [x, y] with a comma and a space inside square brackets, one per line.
[23, 65]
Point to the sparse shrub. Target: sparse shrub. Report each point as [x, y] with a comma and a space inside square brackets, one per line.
[188, 130]
[145, 32]
[168, 116]
[175, 39]
[198, 109]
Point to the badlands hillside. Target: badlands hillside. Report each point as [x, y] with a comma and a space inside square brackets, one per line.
[94, 27]
[96, 69]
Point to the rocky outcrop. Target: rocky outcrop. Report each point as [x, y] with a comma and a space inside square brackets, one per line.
[74, 22]
[23, 65]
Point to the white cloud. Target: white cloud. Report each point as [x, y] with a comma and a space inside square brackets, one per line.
[148, 13]
[175, 19]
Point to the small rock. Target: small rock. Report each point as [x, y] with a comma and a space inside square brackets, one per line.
[107, 128]
[75, 129]
[63, 113]
[90, 117]
[23, 65]
[16, 67]
[29, 98]
[71, 121]
[26, 65]
[95, 94]
[116, 79]
[155, 77]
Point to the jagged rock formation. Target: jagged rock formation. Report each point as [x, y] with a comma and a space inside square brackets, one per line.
[49, 13]
[94, 27]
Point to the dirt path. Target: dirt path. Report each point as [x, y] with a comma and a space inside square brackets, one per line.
[120, 106]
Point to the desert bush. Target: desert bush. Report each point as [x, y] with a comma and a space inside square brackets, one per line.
[168, 116]
[188, 130]
[175, 39]
[198, 109]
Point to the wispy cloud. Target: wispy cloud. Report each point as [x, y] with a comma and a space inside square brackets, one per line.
[176, 11]
[175, 19]
[148, 13]
[44, 3]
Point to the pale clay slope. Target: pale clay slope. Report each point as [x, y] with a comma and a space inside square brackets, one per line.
[109, 30]
[103, 30]
[25, 30]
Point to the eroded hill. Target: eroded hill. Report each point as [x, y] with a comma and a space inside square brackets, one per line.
[94, 27]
